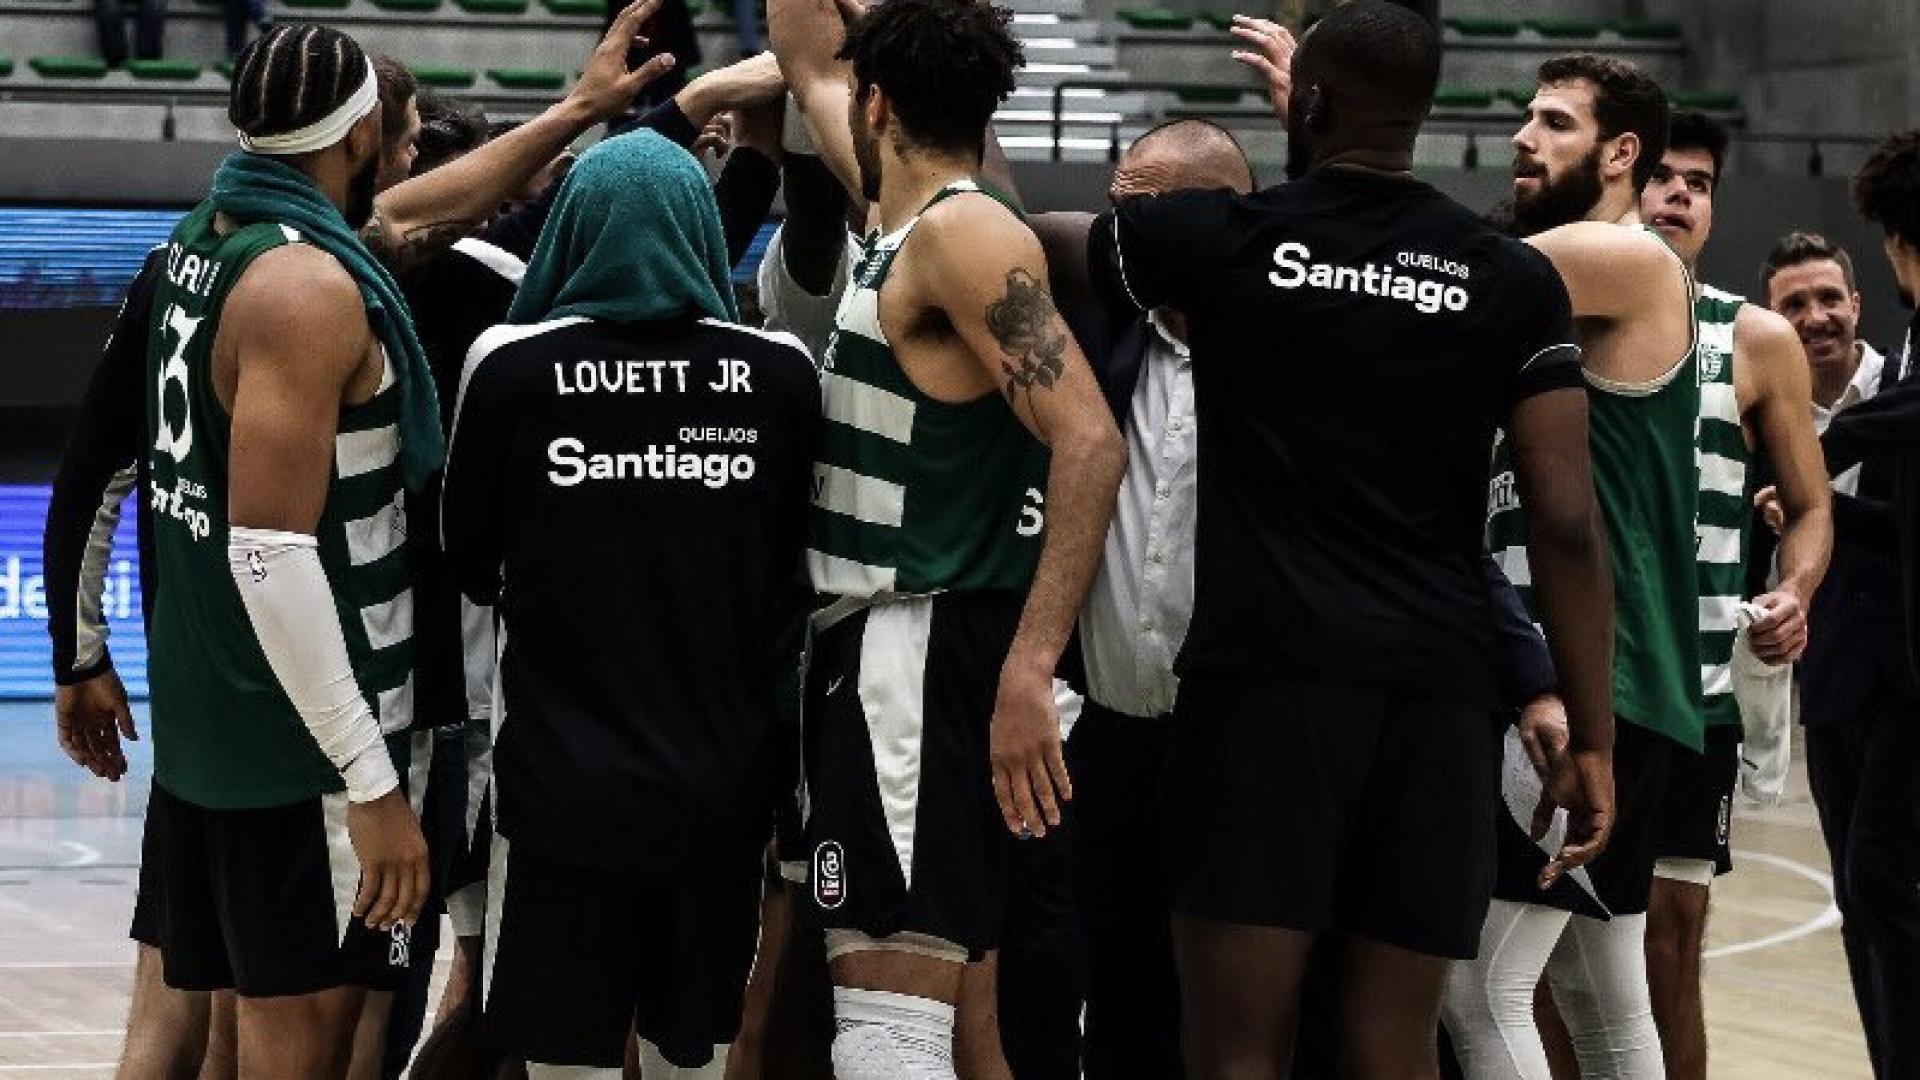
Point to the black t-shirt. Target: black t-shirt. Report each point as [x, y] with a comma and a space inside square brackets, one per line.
[1357, 338]
[635, 496]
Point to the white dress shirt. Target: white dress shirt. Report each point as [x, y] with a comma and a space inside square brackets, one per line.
[1137, 612]
[1865, 383]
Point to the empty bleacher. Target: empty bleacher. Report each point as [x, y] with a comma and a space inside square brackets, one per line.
[512, 56]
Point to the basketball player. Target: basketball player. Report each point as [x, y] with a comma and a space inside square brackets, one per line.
[1357, 338]
[952, 551]
[167, 1028]
[1593, 135]
[1753, 380]
[286, 436]
[635, 777]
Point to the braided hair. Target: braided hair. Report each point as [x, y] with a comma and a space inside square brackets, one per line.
[292, 76]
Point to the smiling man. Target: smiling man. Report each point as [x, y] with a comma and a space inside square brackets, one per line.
[1858, 694]
[1752, 384]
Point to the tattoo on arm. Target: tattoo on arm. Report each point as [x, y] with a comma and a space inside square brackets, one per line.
[1023, 322]
[398, 251]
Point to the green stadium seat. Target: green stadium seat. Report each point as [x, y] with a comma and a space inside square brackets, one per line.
[69, 67]
[1647, 30]
[595, 8]
[1462, 97]
[164, 70]
[1482, 26]
[1709, 100]
[1155, 18]
[407, 5]
[1565, 29]
[6, 66]
[1219, 20]
[446, 78]
[528, 78]
[1521, 96]
[1208, 96]
[225, 68]
[493, 7]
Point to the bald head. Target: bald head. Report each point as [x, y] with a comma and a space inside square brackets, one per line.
[1182, 154]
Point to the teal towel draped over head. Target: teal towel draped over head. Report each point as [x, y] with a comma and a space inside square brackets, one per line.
[252, 188]
[634, 237]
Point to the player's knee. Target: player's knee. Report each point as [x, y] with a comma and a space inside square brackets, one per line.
[1677, 914]
[882, 1036]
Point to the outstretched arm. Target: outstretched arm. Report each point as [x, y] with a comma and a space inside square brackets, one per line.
[1063, 236]
[805, 35]
[1778, 367]
[984, 269]
[421, 217]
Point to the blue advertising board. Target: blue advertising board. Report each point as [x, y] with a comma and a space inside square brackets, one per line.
[26, 666]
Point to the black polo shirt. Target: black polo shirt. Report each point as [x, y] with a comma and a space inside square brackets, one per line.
[1357, 339]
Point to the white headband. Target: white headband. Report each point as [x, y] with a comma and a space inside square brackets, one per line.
[323, 132]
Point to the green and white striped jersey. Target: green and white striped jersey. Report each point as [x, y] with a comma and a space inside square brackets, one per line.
[1721, 527]
[226, 736]
[913, 496]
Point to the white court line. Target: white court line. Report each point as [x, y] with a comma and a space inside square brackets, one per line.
[57, 965]
[1827, 919]
[60, 1034]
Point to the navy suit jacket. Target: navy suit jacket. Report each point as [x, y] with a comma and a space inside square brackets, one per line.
[1858, 657]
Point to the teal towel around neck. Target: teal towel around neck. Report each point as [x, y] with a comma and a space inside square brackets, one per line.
[253, 188]
[634, 237]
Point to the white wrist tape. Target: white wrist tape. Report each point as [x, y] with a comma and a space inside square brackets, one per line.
[290, 605]
[793, 131]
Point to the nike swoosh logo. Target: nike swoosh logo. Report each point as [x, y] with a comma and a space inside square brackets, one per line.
[834, 686]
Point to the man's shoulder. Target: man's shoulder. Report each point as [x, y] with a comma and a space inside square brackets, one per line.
[1762, 330]
[512, 339]
[774, 346]
[330, 298]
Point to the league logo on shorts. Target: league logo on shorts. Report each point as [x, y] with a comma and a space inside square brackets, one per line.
[829, 875]
[1725, 820]
[399, 946]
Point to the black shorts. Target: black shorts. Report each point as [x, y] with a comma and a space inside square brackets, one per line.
[1623, 874]
[467, 876]
[1699, 810]
[260, 900]
[146, 896]
[1318, 806]
[903, 833]
[573, 955]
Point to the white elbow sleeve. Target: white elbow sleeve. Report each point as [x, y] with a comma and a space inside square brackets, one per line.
[290, 604]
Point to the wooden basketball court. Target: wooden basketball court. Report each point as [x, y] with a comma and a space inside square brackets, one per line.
[1779, 1006]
